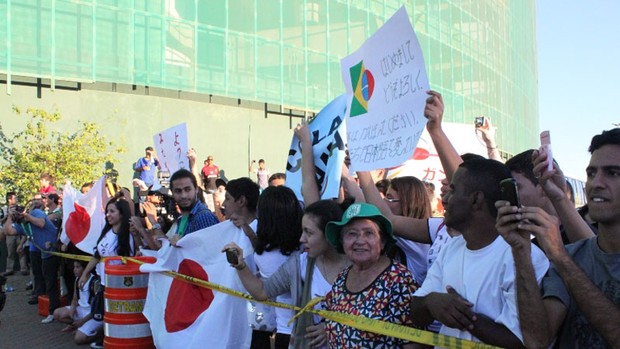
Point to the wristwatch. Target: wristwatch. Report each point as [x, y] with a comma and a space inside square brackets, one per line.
[156, 226]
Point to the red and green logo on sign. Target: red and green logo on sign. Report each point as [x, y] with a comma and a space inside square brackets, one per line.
[363, 84]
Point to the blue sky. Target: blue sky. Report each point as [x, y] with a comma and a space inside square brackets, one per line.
[578, 75]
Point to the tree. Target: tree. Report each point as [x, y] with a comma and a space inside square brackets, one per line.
[77, 157]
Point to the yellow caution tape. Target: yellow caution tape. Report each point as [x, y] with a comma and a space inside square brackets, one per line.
[360, 322]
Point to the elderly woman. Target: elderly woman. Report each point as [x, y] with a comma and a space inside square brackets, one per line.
[374, 286]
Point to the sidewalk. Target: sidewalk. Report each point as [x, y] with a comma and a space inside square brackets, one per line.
[20, 323]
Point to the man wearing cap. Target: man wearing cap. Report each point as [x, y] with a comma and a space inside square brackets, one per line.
[471, 287]
[374, 286]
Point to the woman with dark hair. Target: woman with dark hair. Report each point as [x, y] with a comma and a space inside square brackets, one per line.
[115, 238]
[277, 236]
[306, 274]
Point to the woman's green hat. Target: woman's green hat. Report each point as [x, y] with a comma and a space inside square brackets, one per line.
[358, 210]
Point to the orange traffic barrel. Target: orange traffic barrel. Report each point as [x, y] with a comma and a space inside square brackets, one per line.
[125, 295]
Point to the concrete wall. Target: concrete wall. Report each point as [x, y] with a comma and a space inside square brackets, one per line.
[232, 134]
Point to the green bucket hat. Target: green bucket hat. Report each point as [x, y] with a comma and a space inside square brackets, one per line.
[358, 210]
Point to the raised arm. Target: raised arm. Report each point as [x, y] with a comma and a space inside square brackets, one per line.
[487, 130]
[350, 186]
[553, 183]
[36, 221]
[409, 228]
[193, 166]
[449, 157]
[309, 187]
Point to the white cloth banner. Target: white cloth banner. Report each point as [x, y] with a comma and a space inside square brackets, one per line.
[425, 164]
[328, 133]
[183, 315]
[171, 146]
[83, 215]
[386, 85]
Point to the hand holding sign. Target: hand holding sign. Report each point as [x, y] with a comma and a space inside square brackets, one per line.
[433, 111]
[386, 83]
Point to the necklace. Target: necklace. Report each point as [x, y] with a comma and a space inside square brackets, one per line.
[330, 274]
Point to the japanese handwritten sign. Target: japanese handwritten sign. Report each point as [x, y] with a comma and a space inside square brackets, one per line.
[386, 87]
[171, 146]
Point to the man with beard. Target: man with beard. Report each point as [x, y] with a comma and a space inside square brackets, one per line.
[470, 288]
[194, 214]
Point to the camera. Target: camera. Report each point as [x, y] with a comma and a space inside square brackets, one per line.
[164, 206]
[18, 217]
[479, 121]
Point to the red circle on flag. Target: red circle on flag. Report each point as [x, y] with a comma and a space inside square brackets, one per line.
[78, 224]
[186, 301]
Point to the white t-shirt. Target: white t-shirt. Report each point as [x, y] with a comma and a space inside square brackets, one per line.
[107, 248]
[421, 256]
[319, 288]
[439, 236]
[485, 277]
[416, 253]
[268, 263]
[84, 295]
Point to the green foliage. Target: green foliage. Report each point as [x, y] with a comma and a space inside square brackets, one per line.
[77, 156]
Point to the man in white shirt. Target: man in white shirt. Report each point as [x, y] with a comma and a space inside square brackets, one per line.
[470, 288]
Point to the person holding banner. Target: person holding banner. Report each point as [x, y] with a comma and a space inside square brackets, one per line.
[194, 214]
[371, 282]
[416, 228]
[306, 274]
[115, 240]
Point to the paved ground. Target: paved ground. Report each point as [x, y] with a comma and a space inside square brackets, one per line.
[20, 323]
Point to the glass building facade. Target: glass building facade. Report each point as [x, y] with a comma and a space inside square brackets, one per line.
[480, 54]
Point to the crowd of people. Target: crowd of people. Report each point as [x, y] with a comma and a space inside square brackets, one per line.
[532, 274]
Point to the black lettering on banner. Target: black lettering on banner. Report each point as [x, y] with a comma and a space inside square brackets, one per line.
[401, 56]
[402, 86]
[334, 126]
[295, 166]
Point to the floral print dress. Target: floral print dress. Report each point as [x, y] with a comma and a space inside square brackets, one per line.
[388, 298]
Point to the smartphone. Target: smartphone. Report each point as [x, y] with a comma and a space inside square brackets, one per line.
[231, 256]
[508, 187]
[479, 121]
[545, 143]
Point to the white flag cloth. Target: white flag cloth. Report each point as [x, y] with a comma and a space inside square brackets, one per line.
[183, 315]
[83, 215]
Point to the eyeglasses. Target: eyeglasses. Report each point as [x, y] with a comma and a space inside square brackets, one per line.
[391, 200]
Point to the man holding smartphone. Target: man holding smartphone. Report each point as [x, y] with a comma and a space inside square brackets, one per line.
[580, 302]
[532, 193]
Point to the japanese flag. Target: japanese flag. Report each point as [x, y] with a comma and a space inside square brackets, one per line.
[83, 215]
[183, 315]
